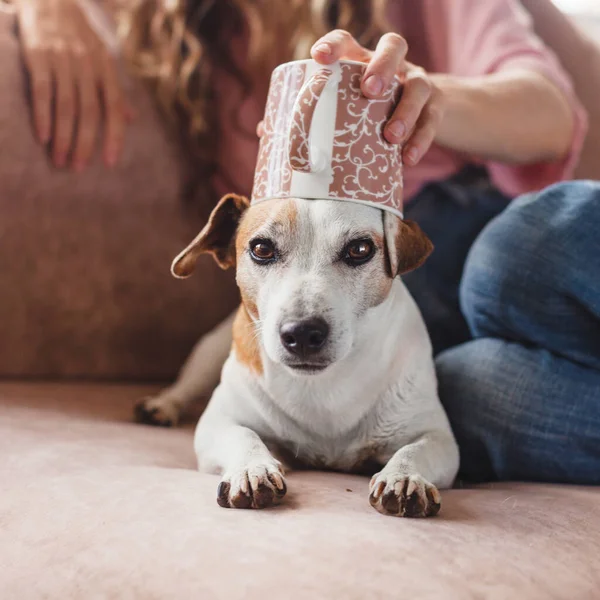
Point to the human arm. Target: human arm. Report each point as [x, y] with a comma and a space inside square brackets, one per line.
[516, 117]
[504, 99]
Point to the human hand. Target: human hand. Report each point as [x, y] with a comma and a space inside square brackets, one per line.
[73, 80]
[416, 118]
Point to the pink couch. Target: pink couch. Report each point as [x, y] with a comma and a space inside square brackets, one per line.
[94, 506]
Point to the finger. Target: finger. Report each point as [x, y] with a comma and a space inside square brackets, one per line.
[260, 129]
[64, 109]
[424, 134]
[415, 95]
[384, 64]
[114, 111]
[89, 112]
[39, 69]
[338, 44]
[40, 78]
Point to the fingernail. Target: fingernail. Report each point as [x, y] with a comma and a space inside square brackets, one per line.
[60, 160]
[78, 166]
[373, 85]
[412, 155]
[397, 129]
[323, 48]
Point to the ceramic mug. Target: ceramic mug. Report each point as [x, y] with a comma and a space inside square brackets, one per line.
[324, 139]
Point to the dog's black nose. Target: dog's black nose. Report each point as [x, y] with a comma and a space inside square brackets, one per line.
[304, 338]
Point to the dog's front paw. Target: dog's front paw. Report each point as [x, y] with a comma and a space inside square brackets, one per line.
[404, 495]
[162, 410]
[256, 486]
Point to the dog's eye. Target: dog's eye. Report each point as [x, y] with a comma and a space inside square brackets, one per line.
[262, 251]
[358, 252]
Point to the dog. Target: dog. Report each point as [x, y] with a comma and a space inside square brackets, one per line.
[327, 362]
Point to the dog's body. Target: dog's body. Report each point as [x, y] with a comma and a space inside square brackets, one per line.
[360, 393]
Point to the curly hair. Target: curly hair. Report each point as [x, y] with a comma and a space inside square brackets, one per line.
[176, 45]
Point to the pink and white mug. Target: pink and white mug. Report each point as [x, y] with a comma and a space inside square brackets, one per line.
[323, 139]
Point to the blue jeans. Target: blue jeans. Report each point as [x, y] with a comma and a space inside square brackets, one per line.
[523, 394]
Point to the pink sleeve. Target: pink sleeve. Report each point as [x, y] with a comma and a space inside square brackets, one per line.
[488, 36]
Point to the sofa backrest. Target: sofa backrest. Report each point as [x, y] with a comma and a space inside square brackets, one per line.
[579, 52]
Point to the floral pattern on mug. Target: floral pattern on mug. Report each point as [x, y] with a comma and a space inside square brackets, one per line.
[273, 172]
[364, 167]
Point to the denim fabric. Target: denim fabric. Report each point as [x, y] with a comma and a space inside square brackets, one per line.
[452, 213]
[523, 396]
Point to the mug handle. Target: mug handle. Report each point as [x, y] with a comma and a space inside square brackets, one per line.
[299, 154]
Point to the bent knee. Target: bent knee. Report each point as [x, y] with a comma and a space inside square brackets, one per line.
[529, 251]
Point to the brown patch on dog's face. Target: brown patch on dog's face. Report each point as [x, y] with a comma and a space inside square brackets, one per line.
[407, 245]
[216, 238]
[250, 304]
[281, 216]
[245, 342]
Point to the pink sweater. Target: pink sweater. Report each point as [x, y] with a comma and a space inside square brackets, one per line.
[461, 37]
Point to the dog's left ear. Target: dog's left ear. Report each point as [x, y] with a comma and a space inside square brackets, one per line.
[216, 238]
[407, 247]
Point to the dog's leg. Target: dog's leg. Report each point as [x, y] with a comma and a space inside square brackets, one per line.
[251, 476]
[197, 379]
[406, 486]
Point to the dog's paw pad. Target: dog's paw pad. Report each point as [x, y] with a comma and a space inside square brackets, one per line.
[403, 495]
[160, 410]
[259, 486]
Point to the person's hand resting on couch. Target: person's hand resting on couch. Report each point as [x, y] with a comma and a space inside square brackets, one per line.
[75, 88]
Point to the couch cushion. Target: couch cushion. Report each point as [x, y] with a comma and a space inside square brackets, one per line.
[94, 506]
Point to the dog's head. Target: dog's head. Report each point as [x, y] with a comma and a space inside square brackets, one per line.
[308, 271]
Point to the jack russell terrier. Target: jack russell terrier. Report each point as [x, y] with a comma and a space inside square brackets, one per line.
[330, 366]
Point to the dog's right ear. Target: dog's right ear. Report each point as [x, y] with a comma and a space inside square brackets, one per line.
[216, 238]
[407, 247]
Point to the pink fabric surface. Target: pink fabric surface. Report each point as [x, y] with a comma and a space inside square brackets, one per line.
[94, 506]
[461, 37]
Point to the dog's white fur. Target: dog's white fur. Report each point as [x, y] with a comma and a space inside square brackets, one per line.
[376, 400]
